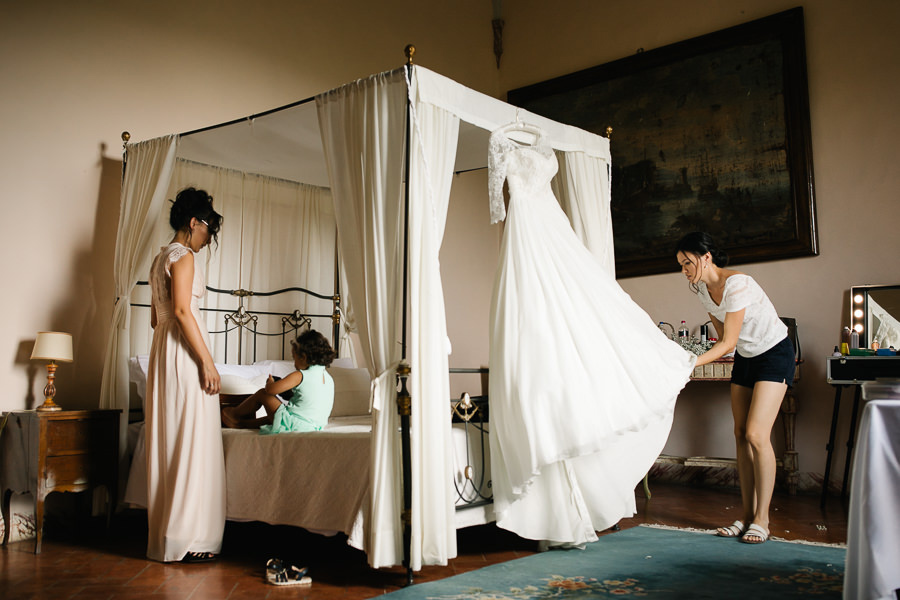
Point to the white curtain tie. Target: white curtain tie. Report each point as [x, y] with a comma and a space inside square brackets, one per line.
[375, 396]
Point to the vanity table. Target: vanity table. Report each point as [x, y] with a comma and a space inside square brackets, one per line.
[720, 371]
[874, 315]
[842, 372]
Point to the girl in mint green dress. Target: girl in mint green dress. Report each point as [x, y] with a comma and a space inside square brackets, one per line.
[309, 392]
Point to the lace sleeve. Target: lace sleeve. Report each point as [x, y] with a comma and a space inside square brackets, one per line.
[496, 177]
[174, 256]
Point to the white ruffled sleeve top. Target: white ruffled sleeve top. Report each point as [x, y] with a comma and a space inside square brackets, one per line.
[762, 329]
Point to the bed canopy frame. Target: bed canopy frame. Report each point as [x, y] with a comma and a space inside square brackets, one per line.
[388, 147]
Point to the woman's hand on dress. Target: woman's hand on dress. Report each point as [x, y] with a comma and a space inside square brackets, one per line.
[209, 378]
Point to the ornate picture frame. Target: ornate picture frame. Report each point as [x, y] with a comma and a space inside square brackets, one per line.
[708, 134]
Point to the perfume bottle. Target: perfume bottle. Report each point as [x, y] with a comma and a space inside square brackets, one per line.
[683, 332]
[662, 327]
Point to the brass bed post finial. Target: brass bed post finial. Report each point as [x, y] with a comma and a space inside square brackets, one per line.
[125, 137]
[609, 133]
[409, 51]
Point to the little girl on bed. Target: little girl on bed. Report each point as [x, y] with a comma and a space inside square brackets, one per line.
[309, 392]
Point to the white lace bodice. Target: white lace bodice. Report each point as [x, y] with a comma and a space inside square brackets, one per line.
[527, 168]
[161, 280]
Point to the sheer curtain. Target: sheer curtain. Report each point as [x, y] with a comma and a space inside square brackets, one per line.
[582, 186]
[362, 126]
[434, 138]
[144, 188]
[287, 241]
[275, 234]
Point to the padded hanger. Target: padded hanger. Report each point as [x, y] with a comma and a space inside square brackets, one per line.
[519, 126]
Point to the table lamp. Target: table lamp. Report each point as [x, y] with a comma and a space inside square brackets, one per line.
[53, 346]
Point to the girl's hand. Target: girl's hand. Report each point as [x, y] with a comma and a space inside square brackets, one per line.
[209, 378]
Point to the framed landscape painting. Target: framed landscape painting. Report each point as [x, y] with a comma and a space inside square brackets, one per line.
[709, 134]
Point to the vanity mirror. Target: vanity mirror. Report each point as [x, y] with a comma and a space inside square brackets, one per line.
[875, 314]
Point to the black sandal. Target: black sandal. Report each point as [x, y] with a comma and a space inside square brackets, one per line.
[198, 557]
[279, 572]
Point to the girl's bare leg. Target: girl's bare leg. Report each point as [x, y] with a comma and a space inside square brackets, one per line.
[243, 416]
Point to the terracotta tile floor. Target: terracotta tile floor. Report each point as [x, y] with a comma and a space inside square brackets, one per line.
[85, 561]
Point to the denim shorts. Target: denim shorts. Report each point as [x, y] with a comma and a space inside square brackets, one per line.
[775, 364]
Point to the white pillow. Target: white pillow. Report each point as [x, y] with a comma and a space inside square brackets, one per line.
[351, 391]
[278, 368]
[242, 371]
[235, 385]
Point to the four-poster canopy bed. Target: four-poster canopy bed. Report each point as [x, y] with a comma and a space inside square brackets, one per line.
[383, 150]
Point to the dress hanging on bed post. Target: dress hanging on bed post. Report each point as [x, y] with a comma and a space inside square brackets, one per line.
[583, 384]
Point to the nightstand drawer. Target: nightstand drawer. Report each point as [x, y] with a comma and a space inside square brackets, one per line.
[79, 435]
[72, 470]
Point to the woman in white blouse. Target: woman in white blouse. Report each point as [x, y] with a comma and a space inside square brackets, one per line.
[748, 324]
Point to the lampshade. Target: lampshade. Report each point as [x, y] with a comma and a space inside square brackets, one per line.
[53, 345]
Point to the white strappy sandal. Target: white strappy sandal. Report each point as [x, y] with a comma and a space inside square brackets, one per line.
[755, 531]
[736, 529]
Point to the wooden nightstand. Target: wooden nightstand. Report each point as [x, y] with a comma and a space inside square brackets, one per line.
[63, 451]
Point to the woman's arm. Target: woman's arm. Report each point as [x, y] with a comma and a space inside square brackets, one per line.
[729, 332]
[284, 384]
[182, 282]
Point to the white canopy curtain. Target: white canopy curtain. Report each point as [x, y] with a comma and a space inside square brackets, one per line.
[275, 234]
[579, 186]
[432, 153]
[362, 127]
[144, 189]
[288, 238]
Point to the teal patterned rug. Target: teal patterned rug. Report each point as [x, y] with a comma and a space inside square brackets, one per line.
[654, 562]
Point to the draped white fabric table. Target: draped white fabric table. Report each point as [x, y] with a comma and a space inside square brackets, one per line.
[873, 531]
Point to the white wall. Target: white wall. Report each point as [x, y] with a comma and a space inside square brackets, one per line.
[74, 75]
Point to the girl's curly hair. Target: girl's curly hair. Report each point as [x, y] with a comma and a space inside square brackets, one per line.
[315, 347]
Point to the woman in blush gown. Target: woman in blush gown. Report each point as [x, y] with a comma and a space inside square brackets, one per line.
[582, 382]
[183, 436]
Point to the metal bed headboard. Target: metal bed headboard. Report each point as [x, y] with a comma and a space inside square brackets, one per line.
[246, 322]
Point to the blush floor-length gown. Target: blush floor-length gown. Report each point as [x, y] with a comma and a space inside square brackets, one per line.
[582, 382]
[183, 432]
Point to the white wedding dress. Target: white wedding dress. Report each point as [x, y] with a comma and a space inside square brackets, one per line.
[582, 382]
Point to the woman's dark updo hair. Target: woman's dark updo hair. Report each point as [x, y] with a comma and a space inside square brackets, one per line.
[315, 347]
[699, 243]
[191, 203]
